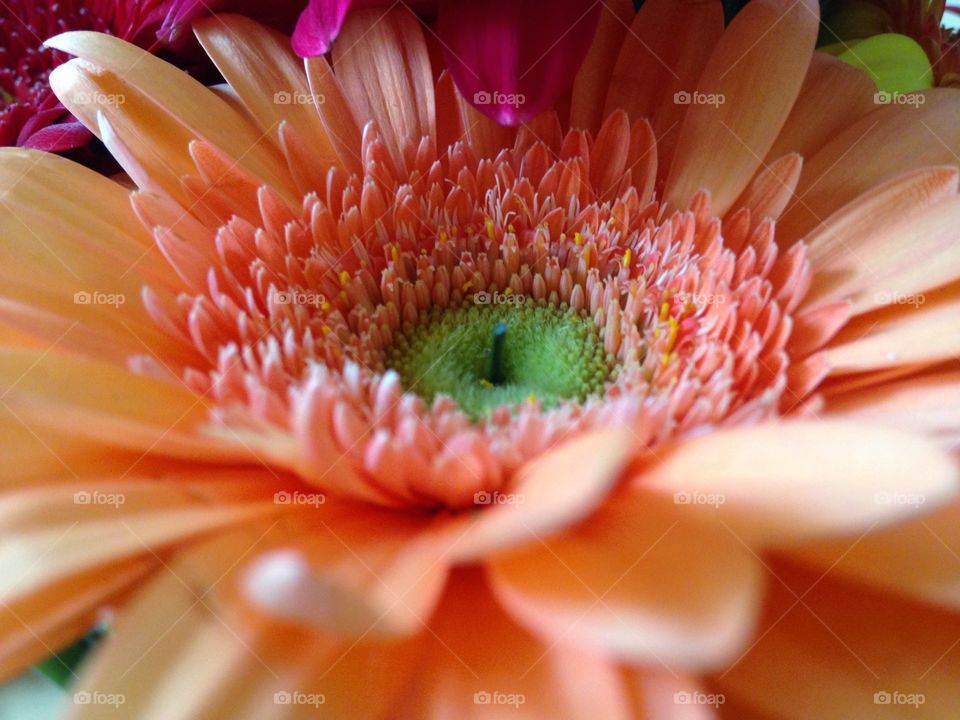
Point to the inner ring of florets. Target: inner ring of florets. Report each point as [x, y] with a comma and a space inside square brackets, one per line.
[320, 321]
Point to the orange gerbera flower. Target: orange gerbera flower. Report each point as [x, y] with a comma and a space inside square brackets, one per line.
[364, 403]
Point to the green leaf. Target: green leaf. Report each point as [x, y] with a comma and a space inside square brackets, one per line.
[896, 63]
[62, 667]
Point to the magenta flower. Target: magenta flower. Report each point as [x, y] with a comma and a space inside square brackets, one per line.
[510, 58]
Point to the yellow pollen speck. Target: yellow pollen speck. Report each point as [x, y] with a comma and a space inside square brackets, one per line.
[674, 329]
[324, 306]
[344, 277]
[394, 253]
[531, 398]
[664, 311]
[508, 291]
[443, 236]
[626, 258]
[325, 329]
[490, 233]
[578, 238]
[510, 228]
[467, 285]
[486, 383]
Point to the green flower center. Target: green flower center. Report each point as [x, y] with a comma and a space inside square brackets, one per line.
[511, 352]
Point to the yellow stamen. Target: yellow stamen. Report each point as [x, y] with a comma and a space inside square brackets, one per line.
[344, 277]
[626, 258]
[486, 383]
[490, 233]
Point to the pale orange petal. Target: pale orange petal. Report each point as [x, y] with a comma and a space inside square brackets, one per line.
[465, 663]
[263, 70]
[759, 64]
[617, 585]
[870, 152]
[381, 60]
[833, 96]
[802, 478]
[551, 492]
[829, 654]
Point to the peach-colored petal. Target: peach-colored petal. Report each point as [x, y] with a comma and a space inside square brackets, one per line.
[929, 404]
[263, 70]
[108, 405]
[920, 330]
[772, 188]
[870, 152]
[180, 650]
[171, 102]
[664, 53]
[335, 112]
[759, 64]
[616, 585]
[551, 492]
[888, 243]
[920, 558]
[842, 652]
[798, 479]
[833, 96]
[465, 663]
[40, 624]
[352, 569]
[669, 695]
[590, 84]
[55, 532]
[382, 63]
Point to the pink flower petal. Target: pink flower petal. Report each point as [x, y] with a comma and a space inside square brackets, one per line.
[57, 138]
[318, 25]
[512, 58]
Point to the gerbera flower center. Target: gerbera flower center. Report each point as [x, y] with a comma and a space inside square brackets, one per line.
[497, 349]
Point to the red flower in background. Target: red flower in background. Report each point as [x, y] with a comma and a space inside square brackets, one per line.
[30, 114]
[511, 59]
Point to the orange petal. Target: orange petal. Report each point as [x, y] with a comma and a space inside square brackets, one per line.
[614, 585]
[263, 70]
[590, 84]
[870, 152]
[888, 242]
[754, 75]
[35, 627]
[552, 492]
[352, 569]
[797, 479]
[917, 558]
[169, 103]
[923, 329]
[55, 532]
[843, 652]
[381, 60]
[929, 404]
[833, 96]
[772, 189]
[479, 665]
[108, 405]
[664, 53]
[181, 651]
